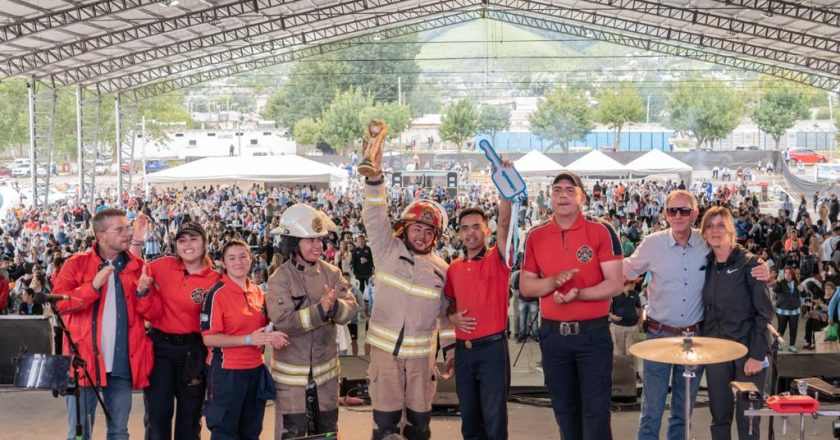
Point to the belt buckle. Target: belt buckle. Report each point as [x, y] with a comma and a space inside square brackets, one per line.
[468, 343]
[569, 328]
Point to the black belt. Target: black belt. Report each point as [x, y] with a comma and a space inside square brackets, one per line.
[571, 328]
[173, 338]
[470, 343]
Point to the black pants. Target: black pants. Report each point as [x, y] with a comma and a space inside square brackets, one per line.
[483, 380]
[362, 283]
[232, 410]
[721, 400]
[794, 326]
[812, 326]
[168, 391]
[578, 375]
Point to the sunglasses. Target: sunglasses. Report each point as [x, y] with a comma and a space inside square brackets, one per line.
[682, 210]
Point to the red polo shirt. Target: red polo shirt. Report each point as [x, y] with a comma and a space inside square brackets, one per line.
[481, 286]
[175, 298]
[587, 243]
[230, 310]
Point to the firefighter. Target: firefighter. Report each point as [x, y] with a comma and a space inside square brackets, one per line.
[409, 308]
[307, 299]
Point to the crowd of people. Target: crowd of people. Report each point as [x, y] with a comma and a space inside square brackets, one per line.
[187, 285]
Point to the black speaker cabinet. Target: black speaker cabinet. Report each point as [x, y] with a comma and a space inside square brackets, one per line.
[22, 334]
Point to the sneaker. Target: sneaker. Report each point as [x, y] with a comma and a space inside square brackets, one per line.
[520, 339]
[793, 349]
[808, 347]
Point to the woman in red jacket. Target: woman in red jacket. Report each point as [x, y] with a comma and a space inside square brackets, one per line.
[233, 324]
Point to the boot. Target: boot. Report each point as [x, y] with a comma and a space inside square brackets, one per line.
[385, 423]
[417, 425]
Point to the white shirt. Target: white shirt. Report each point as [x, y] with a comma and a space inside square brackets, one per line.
[109, 324]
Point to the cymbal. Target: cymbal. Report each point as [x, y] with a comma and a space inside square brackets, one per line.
[688, 351]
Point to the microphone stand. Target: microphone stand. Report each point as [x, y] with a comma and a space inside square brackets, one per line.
[774, 380]
[78, 364]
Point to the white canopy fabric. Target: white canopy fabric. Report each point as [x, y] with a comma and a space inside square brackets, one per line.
[537, 164]
[277, 169]
[658, 162]
[596, 163]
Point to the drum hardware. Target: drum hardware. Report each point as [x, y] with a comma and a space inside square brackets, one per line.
[749, 392]
[690, 352]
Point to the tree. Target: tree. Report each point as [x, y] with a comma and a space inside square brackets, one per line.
[707, 109]
[307, 131]
[459, 123]
[780, 104]
[563, 116]
[163, 112]
[493, 119]
[373, 68]
[14, 114]
[312, 85]
[619, 106]
[341, 123]
[395, 115]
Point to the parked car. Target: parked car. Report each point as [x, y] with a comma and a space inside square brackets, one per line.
[102, 166]
[806, 155]
[21, 170]
[5, 170]
[153, 165]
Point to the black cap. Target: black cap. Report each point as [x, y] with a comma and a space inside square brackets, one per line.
[570, 176]
[191, 228]
[7, 257]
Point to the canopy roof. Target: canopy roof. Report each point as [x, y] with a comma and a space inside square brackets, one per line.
[155, 46]
[537, 164]
[282, 169]
[596, 163]
[657, 162]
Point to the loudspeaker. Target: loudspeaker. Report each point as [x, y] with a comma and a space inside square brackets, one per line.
[624, 377]
[22, 334]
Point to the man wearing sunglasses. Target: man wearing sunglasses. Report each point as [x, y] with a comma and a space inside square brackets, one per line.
[676, 258]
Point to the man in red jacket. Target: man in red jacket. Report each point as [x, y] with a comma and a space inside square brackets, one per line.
[103, 320]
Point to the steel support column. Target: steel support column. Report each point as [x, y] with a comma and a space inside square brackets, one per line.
[42, 97]
[88, 107]
[125, 122]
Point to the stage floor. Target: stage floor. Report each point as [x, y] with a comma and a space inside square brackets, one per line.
[37, 415]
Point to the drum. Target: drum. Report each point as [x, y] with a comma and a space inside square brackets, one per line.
[42, 372]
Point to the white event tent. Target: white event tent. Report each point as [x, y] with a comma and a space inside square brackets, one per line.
[658, 162]
[537, 164]
[596, 163]
[288, 169]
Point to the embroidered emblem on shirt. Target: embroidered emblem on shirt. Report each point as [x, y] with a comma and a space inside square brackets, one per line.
[584, 254]
[731, 271]
[198, 295]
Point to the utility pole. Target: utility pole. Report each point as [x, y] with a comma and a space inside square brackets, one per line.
[399, 90]
[647, 121]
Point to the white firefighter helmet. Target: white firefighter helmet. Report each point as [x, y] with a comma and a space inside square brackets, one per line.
[303, 221]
